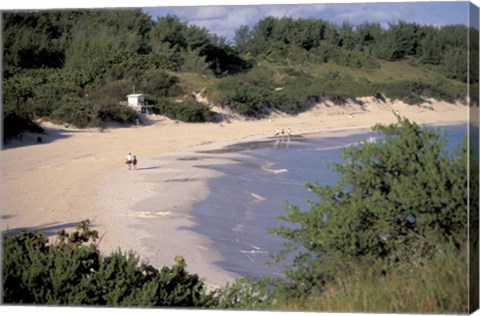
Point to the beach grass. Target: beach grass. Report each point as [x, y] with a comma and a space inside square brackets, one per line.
[441, 286]
[400, 70]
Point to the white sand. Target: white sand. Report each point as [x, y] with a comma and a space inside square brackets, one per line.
[77, 174]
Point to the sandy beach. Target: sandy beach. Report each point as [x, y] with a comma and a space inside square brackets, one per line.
[76, 174]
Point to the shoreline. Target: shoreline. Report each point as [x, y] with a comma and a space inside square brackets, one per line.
[175, 182]
[157, 211]
[65, 179]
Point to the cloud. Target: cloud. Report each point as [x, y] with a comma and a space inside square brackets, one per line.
[294, 11]
[224, 20]
[202, 13]
[360, 15]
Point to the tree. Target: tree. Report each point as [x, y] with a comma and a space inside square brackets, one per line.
[455, 64]
[265, 27]
[242, 37]
[453, 36]
[307, 33]
[347, 37]
[395, 202]
[430, 51]
[400, 41]
[196, 37]
[368, 35]
[103, 38]
[169, 29]
[36, 40]
[222, 59]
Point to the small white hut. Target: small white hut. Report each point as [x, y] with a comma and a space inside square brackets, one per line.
[137, 102]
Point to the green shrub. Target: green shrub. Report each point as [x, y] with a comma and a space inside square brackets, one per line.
[415, 92]
[249, 294]
[160, 83]
[343, 57]
[75, 111]
[186, 111]
[245, 98]
[71, 271]
[38, 90]
[115, 112]
[91, 111]
[291, 100]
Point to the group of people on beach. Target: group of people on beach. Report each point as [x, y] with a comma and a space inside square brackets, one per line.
[280, 135]
[131, 160]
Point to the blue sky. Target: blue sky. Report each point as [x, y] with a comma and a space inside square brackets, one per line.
[224, 20]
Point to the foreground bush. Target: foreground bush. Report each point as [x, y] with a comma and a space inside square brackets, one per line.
[71, 271]
[398, 204]
[437, 287]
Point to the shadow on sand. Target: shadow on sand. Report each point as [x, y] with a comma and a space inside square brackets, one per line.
[48, 136]
[50, 229]
[51, 134]
[148, 168]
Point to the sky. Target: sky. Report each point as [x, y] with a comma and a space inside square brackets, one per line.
[224, 20]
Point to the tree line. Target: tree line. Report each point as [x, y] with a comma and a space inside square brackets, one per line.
[360, 45]
[92, 42]
[74, 66]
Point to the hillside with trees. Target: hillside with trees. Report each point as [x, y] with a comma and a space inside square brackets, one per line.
[74, 67]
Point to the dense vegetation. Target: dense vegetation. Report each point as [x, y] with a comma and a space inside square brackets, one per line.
[389, 236]
[75, 66]
[71, 271]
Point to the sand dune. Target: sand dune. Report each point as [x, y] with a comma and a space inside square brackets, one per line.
[56, 183]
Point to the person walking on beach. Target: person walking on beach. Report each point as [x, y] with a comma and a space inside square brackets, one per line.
[129, 161]
[134, 162]
[289, 133]
[277, 133]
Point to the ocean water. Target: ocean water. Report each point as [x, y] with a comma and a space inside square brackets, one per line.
[247, 199]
